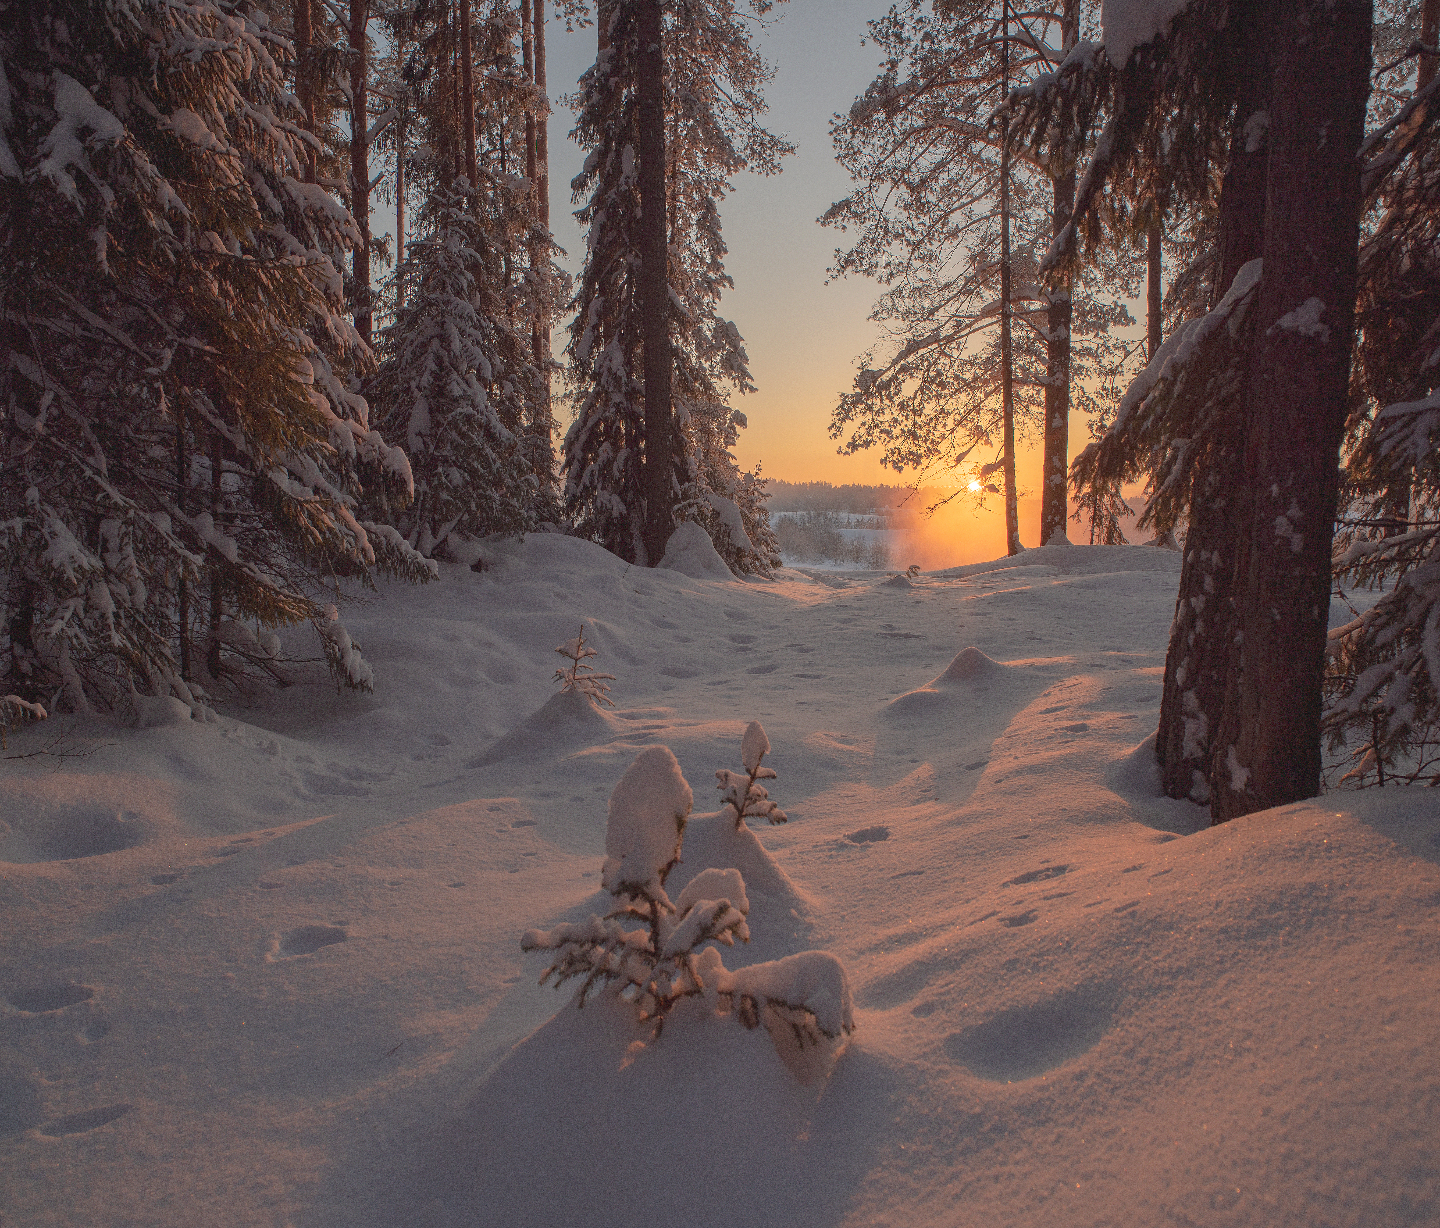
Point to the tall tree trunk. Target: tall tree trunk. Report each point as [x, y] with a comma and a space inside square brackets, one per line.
[1429, 33]
[360, 166]
[1054, 503]
[304, 82]
[217, 583]
[467, 96]
[1197, 660]
[182, 483]
[542, 198]
[401, 133]
[1268, 749]
[654, 282]
[1154, 294]
[1007, 377]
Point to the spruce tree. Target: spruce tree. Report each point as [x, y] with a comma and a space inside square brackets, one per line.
[179, 429]
[713, 110]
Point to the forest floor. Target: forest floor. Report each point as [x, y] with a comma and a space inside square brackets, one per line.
[265, 969]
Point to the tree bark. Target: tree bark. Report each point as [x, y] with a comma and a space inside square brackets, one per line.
[654, 282]
[1054, 497]
[542, 198]
[1153, 292]
[1267, 751]
[467, 96]
[1007, 377]
[1429, 33]
[1197, 661]
[182, 483]
[400, 152]
[360, 167]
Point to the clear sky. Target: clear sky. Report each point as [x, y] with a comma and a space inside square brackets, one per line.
[802, 334]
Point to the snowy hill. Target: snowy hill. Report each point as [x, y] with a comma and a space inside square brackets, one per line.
[266, 970]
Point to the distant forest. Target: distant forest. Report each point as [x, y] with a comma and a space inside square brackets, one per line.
[823, 497]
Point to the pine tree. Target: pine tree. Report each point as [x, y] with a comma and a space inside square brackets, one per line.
[933, 179]
[177, 407]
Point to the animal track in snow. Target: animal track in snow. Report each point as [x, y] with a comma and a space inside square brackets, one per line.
[83, 1122]
[1026, 1041]
[308, 939]
[680, 671]
[868, 835]
[1036, 876]
[39, 999]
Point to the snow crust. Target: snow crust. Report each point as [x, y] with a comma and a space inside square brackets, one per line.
[264, 970]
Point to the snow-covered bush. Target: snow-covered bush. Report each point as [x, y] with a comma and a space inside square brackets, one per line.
[803, 1000]
[741, 793]
[14, 711]
[581, 676]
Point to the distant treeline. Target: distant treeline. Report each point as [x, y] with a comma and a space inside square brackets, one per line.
[823, 497]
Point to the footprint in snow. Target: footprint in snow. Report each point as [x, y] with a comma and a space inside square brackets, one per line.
[1026, 1041]
[1036, 876]
[84, 1122]
[869, 835]
[56, 996]
[307, 939]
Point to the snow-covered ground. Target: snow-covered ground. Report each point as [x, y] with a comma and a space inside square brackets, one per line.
[266, 970]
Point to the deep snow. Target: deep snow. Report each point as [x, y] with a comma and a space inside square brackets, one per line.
[266, 970]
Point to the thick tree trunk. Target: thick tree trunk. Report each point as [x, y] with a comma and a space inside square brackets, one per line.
[467, 96]
[654, 283]
[360, 167]
[1007, 374]
[1054, 501]
[1267, 751]
[1197, 661]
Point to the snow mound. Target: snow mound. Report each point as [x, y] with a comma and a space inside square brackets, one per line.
[896, 581]
[971, 669]
[968, 665]
[691, 552]
[778, 909]
[566, 720]
[157, 711]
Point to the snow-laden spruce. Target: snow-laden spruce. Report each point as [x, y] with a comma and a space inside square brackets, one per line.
[803, 999]
[182, 441]
[461, 383]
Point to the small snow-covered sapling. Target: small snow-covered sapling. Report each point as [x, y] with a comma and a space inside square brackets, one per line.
[657, 964]
[803, 1000]
[579, 675]
[14, 711]
[746, 798]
